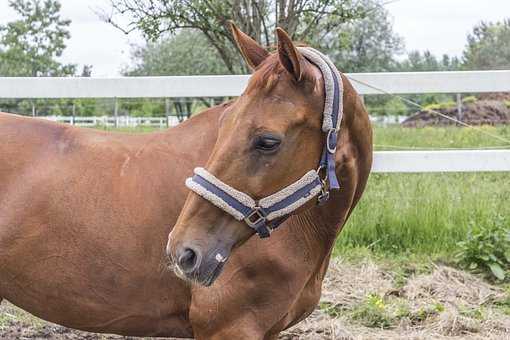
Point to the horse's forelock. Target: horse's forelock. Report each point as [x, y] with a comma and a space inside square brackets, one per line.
[266, 76]
[268, 73]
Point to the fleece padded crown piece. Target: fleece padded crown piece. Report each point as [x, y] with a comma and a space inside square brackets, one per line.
[329, 71]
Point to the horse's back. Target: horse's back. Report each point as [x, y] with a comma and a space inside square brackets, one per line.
[84, 216]
[22, 140]
[27, 157]
[29, 146]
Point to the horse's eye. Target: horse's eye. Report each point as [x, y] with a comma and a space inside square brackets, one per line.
[267, 143]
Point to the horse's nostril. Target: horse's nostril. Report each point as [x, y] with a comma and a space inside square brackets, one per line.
[187, 260]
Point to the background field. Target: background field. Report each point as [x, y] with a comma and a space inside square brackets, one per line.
[427, 214]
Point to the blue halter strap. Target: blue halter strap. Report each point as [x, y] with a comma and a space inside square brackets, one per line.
[329, 150]
[262, 216]
[268, 213]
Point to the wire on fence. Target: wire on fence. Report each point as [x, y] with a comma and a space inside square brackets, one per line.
[410, 102]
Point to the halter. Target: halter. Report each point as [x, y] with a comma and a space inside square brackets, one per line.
[269, 212]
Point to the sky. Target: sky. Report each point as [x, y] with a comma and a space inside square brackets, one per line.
[440, 26]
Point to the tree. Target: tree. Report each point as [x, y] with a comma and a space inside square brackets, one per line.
[363, 44]
[185, 53]
[418, 62]
[488, 47]
[86, 71]
[426, 61]
[302, 19]
[366, 44]
[30, 45]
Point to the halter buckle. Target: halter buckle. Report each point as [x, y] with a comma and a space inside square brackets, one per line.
[254, 218]
[319, 170]
[324, 194]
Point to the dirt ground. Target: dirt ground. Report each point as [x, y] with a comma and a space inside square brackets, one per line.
[490, 111]
[362, 301]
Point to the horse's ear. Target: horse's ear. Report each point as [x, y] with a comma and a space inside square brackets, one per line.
[252, 52]
[289, 56]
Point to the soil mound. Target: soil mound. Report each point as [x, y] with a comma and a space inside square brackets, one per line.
[481, 112]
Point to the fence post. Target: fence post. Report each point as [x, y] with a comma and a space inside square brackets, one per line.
[74, 113]
[167, 112]
[116, 112]
[33, 109]
[459, 107]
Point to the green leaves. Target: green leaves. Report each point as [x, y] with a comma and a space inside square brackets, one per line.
[497, 270]
[30, 45]
[488, 46]
[186, 53]
[367, 44]
[304, 20]
[487, 250]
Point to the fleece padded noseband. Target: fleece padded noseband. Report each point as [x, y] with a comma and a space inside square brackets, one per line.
[268, 213]
[243, 207]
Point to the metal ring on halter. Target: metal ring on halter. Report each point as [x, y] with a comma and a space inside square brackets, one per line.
[319, 169]
[331, 132]
[323, 196]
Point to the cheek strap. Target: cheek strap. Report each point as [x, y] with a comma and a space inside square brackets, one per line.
[262, 216]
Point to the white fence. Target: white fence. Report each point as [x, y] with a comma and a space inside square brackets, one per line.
[442, 161]
[120, 121]
[163, 122]
[220, 86]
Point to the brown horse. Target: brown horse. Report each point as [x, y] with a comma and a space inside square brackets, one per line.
[85, 215]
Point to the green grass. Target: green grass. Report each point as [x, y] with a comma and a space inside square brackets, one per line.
[386, 138]
[385, 312]
[426, 214]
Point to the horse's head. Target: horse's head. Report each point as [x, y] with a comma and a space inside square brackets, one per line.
[268, 139]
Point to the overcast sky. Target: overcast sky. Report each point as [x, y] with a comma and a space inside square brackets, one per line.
[440, 26]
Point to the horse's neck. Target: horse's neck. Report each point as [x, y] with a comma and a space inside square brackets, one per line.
[193, 140]
[324, 223]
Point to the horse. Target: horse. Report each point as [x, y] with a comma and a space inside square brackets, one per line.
[91, 222]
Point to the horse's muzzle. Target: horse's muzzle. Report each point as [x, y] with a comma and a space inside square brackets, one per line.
[188, 259]
[191, 265]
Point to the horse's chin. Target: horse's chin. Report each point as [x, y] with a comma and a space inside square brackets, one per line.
[213, 276]
[206, 279]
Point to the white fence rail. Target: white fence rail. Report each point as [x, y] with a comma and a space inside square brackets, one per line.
[164, 122]
[120, 121]
[220, 86]
[223, 86]
[442, 161]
